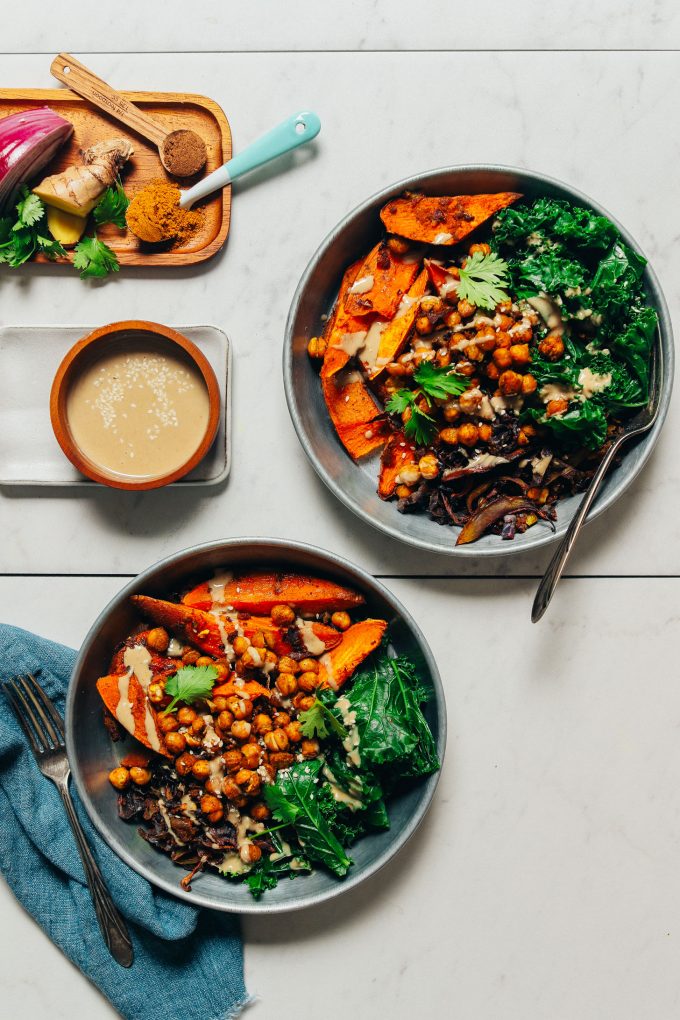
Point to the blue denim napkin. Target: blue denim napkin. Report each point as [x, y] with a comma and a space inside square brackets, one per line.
[188, 962]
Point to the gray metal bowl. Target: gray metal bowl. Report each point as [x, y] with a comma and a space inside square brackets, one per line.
[92, 754]
[355, 484]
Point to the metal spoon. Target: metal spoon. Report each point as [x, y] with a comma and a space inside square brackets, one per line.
[81, 80]
[640, 423]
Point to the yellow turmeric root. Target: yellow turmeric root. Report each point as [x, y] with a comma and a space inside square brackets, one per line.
[77, 190]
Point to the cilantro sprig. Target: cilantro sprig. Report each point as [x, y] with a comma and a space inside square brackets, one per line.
[111, 207]
[189, 684]
[482, 280]
[94, 258]
[319, 721]
[20, 240]
[434, 383]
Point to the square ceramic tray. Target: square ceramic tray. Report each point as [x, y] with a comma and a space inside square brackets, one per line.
[29, 453]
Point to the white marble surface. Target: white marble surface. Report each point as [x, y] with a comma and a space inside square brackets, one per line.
[544, 883]
[590, 118]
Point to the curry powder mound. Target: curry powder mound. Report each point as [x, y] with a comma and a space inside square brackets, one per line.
[154, 215]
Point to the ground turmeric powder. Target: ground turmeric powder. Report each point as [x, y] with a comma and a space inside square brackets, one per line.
[154, 214]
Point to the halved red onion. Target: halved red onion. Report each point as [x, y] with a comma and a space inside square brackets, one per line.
[28, 140]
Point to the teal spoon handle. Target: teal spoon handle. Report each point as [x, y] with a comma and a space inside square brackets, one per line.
[293, 132]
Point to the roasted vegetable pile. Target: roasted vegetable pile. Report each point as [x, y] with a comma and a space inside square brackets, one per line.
[490, 374]
[275, 726]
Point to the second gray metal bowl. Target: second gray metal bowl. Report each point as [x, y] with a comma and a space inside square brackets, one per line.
[355, 484]
[92, 754]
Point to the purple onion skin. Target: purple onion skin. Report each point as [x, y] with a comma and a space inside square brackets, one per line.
[28, 140]
[509, 527]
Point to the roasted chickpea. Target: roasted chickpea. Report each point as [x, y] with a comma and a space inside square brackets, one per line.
[200, 770]
[552, 347]
[402, 491]
[470, 401]
[341, 620]
[520, 354]
[167, 722]
[233, 760]
[140, 776]
[293, 731]
[468, 434]
[510, 383]
[281, 759]
[119, 778]
[257, 640]
[205, 660]
[277, 740]
[394, 368]
[158, 639]
[175, 742]
[240, 729]
[190, 656]
[398, 245]
[198, 724]
[529, 383]
[502, 357]
[452, 319]
[209, 803]
[288, 665]
[219, 703]
[504, 307]
[281, 719]
[485, 433]
[529, 429]
[240, 708]
[503, 339]
[504, 322]
[484, 248]
[449, 436]
[466, 309]
[271, 658]
[184, 764]
[249, 852]
[283, 615]
[316, 348]
[309, 748]
[466, 368]
[423, 325]
[428, 466]
[156, 693]
[443, 357]
[308, 681]
[303, 702]
[186, 715]
[230, 790]
[473, 352]
[252, 755]
[262, 723]
[213, 785]
[556, 407]
[193, 740]
[252, 658]
[522, 333]
[225, 719]
[409, 474]
[309, 665]
[260, 812]
[240, 645]
[492, 371]
[286, 684]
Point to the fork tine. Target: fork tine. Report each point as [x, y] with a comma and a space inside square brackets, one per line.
[14, 699]
[48, 713]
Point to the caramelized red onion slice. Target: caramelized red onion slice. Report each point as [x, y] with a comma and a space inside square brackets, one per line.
[483, 519]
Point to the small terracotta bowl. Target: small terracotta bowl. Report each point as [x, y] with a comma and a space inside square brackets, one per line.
[81, 354]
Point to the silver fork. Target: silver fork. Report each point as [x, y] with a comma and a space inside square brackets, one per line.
[44, 728]
[636, 426]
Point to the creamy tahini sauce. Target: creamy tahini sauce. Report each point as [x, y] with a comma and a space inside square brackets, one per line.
[313, 644]
[136, 659]
[139, 410]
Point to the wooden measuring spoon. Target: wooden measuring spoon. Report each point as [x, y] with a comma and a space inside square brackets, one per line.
[182, 152]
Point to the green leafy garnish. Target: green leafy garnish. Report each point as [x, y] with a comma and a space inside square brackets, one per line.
[319, 721]
[294, 798]
[94, 258]
[420, 426]
[20, 240]
[189, 684]
[111, 207]
[482, 280]
[439, 383]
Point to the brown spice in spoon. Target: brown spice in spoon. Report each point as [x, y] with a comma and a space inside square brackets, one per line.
[183, 153]
[154, 215]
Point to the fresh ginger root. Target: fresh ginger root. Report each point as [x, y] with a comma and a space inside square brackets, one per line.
[77, 190]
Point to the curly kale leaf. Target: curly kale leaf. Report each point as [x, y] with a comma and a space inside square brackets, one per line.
[584, 425]
[616, 285]
[550, 220]
[634, 344]
[547, 273]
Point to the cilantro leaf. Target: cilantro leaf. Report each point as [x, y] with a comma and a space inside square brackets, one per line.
[111, 207]
[400, 401]
[295, 797]
[420, 427]
[319, 721]
[482, 280]
[439, 383]
[94, 258]
[190, 683]
[29, 209]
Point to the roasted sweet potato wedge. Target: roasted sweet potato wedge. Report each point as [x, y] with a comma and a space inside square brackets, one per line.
[340, 325]
[357, 643]
[137, 715]
[357, 419]
[395, 335]
[444, 220]
[282, 646]
[193, 625]
[259, 592]
[397, 454]
[380, 284]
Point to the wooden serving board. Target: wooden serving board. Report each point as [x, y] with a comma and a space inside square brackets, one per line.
[172, 110]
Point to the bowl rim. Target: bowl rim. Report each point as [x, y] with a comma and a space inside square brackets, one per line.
[63, 379]
[364, 580]
[546, 537]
